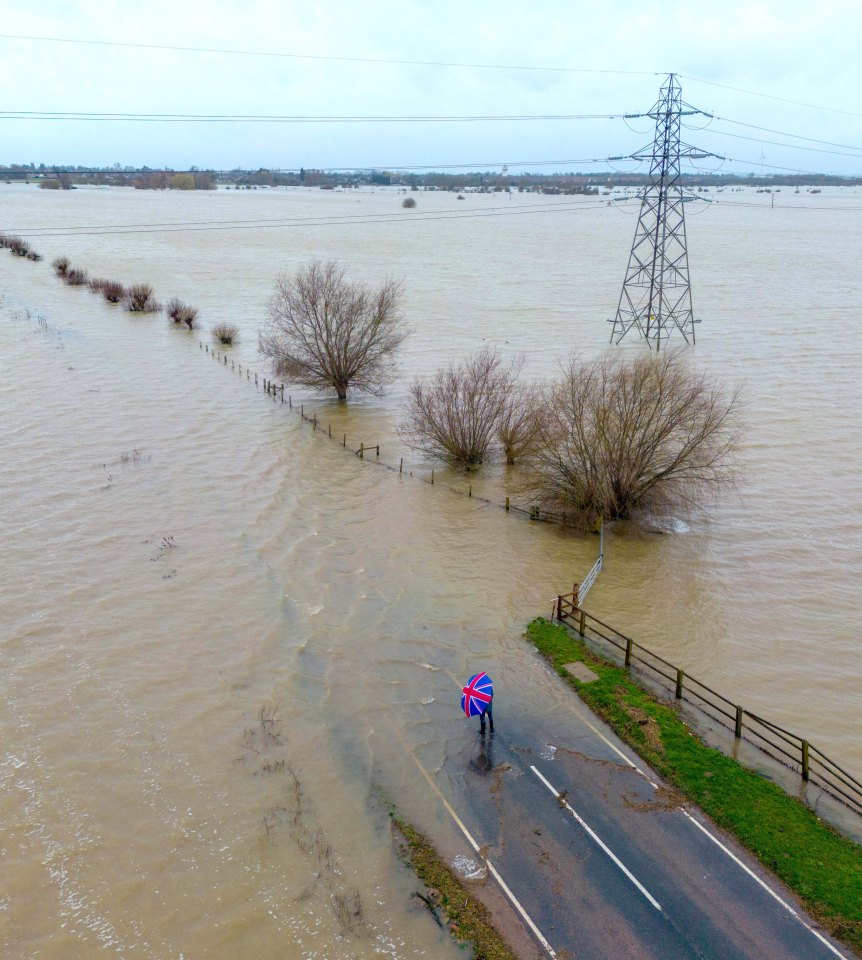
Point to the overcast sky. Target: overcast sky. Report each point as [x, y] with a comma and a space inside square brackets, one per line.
[790, 50]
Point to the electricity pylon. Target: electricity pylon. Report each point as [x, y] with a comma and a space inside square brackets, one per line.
[656, 293]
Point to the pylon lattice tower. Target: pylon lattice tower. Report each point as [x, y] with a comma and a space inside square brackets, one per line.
[656, 294]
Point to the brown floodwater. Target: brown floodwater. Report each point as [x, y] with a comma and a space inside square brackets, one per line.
[224, 636]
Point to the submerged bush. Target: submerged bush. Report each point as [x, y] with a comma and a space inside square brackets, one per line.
[32, 255]
[226, 333]
[18, 245]
[75, 277]
[113, 291]
[181, 312]
[140, 299]
[408, 202]
[61, 266]
[95, 284]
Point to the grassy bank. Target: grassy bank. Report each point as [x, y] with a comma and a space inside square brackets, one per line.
[821, 866]
[469, 920]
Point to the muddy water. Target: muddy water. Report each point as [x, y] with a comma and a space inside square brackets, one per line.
[223, 637]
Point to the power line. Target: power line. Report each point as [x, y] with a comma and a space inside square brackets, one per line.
[785, 133]
[332, 221]
[274, 118]
[311, 56]
[787, 207]
[768, 96]
[787, 146]
[276, 220]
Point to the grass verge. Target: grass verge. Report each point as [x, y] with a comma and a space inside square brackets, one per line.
[823, 867]
[468, 920]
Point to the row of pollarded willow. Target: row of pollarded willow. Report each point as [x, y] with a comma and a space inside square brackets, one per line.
[18, 246]
[140, 298]
[609, 438]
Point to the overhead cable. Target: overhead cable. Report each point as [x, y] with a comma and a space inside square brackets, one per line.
[327, 57]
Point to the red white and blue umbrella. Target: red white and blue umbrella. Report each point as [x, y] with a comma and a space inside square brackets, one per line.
[476, 696]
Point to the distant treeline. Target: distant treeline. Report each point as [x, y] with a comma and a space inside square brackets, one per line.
[145, 178]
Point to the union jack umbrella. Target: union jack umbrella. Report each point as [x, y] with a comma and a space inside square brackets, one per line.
[476, 696]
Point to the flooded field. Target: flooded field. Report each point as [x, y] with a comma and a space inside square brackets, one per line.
[224, 637]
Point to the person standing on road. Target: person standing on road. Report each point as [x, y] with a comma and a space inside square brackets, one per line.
[477, 698]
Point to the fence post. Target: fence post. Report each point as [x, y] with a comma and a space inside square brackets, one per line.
[432, 476]
[378, 450]
[628, 651]
[330, 431]
[679, 678]
[582, 623]
[344, 441]
[507, 504]
[737, 726]
[470, 490]
[361, 451]
[401, 467]
[806, 773]
[559, 609]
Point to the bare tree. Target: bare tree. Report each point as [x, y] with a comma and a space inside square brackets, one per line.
[626, 437]
[328, 333]
[456, 413]
[520, 422]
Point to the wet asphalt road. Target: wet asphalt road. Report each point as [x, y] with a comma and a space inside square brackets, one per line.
[616, 869]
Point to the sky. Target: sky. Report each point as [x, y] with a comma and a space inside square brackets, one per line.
[791, 67]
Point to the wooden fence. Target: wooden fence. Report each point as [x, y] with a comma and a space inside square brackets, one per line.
[787, 748]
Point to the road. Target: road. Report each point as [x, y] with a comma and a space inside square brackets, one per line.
[603, 862]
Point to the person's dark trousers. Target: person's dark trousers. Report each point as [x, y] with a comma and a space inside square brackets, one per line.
[489, 713]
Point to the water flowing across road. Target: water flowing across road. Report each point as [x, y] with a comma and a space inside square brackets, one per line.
[213, 617]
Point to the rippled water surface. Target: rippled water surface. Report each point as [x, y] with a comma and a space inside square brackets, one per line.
[223, 635]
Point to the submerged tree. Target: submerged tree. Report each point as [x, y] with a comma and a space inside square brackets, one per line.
[329, 333]
[622, 437]
[520, 422]
[456, 414]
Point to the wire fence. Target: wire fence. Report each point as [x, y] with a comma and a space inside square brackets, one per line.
[788, 748]
[782, 745]
[277, 392]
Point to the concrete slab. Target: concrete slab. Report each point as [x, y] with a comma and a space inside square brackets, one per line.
[581, 672]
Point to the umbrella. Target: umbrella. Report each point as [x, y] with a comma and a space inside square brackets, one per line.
[476, 696]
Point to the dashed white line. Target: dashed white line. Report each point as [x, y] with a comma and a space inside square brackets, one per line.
[563, 802]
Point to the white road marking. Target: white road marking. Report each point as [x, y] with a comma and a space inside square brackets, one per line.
[831, 947]
[491, 868]
[599, 841]
[613, 746]
[762, 883]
